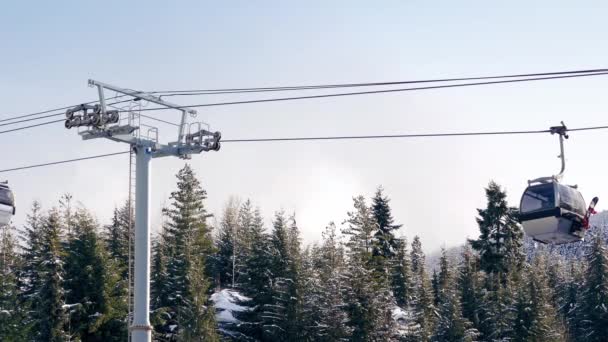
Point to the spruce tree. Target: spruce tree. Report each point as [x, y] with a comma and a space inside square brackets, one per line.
[93, 294]
[294, 328]
[198, 317]
[48, 299]
[160, 292]
[501, 239]
[384, 243]
[331, 325]
[537, 317]
[246, 221]
[546, 325]
[369, 301]
[402, 275]
[497, 312]
[257, 284]
[594, 297]
[424, 307]
[275, 322]
[451, 325]
[225, 258]
[572, 305]
[283, 315]
[435, 286]
[469, 283]
[421, 325]
[11, 313]
[417, 255]
[30, 279]
[117, 238]
[186, 240]
[501, 257]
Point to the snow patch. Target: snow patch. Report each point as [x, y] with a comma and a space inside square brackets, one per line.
[225, 302]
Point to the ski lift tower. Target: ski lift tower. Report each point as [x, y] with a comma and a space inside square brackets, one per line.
[124, 125]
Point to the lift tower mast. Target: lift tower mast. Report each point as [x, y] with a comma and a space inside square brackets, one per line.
[98, 121]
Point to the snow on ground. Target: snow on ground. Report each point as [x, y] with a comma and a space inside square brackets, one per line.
[226, 303]
[404, 320]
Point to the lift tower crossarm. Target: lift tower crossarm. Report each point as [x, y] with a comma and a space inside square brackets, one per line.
[143, 96]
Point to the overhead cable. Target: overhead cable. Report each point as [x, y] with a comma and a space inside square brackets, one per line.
[365, 84]
[370, 92]
[325, 138]
[64, 161]
[587, 72]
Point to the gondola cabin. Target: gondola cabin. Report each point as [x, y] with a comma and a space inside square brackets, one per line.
[554, 213]
[7, 204]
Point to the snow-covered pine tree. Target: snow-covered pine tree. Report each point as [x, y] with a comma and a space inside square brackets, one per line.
[384, 243]
[198, 315]
[537, 318]
[424, 308]
[48, 304]
[116, 236]
[94, 297]
[66, 214]
[469, 284]
[283, 315]
[556, 278]
[312, 292]
[11, 313]
[402, 274]
[369, 301]
[451, 325]
[501, 239]
[294, 328]
[159, 290]
[185, 236]
[227, 244]
[497, 312]
[420, 327]
[116, 239]
[246, 221]
[417, 255]
[594, 297]
[501, 257]
[276, 310]
[332, 319]
[29, 278]
[257, 283]
[571, 296]
[435, 286]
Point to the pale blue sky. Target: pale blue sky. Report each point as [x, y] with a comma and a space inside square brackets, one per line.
[50, 49]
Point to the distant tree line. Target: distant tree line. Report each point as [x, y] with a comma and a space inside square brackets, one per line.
[64, 277]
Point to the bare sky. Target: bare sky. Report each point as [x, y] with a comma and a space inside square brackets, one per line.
[50, 49]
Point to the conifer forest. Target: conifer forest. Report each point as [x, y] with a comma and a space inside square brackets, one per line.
[64, 277]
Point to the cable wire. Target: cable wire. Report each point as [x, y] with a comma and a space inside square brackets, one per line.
[322, 138]
[365, 84]
[336, 95]
[31, 126]
[57, 109]
[50, 116]
[384, 136]
[590, 72]
[370, 92]
[64, 161]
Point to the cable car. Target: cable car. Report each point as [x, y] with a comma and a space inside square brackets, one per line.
[551, 212]
[7, 204]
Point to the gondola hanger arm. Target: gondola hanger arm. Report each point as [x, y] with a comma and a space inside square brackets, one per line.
[562, 131]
